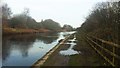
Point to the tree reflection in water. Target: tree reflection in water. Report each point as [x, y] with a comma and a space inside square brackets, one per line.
[48, 38]
[23, 43]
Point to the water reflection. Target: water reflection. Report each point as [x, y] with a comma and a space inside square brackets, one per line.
[24, 50]
[47, 38]
[18, 42]
[21, 44]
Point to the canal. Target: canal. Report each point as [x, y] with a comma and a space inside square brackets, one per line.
[26, 49]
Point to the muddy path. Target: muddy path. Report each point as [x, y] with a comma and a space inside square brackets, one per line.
[83, 54]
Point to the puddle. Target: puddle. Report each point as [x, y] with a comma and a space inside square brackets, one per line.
[70, 50]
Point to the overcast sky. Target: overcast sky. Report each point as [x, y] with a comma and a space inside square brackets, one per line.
[72, 12]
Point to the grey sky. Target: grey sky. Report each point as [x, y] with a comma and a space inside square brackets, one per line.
[72, 12]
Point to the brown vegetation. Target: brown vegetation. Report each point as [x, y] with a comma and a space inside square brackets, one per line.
[24, 23]
[22, 31]
[103, 22]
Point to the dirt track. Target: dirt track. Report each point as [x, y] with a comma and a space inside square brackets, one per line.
[87, 57]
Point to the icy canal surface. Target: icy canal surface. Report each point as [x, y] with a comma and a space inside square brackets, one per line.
[70, 50]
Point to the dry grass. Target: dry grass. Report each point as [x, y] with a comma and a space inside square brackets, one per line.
[20, 30]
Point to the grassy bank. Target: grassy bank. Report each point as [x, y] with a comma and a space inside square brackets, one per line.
[7, 31]
[87, 57]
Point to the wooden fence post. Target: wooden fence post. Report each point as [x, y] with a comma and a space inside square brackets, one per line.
[113, 59]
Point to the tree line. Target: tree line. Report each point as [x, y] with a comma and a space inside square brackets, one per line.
[25, 21]
[103, 22]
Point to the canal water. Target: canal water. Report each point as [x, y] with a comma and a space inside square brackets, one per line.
[25, 50]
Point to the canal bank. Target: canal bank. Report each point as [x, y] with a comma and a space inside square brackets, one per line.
[42, 60]
[86, 55]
